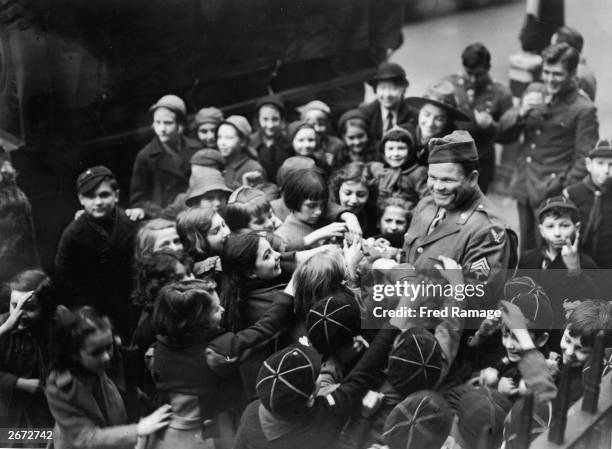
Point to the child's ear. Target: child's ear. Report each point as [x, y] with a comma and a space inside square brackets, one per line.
[541, 340]
[540, 228]
[578, 225]
[181, 128]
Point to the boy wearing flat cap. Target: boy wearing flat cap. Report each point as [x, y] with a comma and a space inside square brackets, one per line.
[389, 109]
[161, 169]
[457, 221]
[93, 264]
[593, 197]
[560, 267]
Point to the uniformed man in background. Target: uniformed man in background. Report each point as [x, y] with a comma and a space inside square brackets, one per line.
[559, 126]
[484, 101]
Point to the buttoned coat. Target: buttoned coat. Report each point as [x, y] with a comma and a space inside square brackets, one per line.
[157, 178]
[473, 235]
[556, 141]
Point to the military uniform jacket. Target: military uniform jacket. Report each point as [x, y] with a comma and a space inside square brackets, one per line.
[556, 142]
[473, 235]
[494, 98]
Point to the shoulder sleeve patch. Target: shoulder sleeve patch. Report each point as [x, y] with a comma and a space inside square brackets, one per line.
[498, 234]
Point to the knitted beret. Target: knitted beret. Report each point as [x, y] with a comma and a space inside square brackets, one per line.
[333, 322]
[352, 115]
[415, 362]
[208, 115]
[423, 420]
[291, 164]
[208, 158]
[294, 127]
[456, 147]
[286, 380]
[274, 100]
[240, 123]
[540, 421]
[481, 412]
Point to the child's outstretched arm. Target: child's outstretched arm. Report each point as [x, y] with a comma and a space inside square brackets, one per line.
[532, 364]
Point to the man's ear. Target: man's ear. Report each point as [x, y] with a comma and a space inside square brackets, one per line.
[473, 178]
[541, 340]
[81, 198]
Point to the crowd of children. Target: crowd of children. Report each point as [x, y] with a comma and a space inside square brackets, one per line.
[223, 308]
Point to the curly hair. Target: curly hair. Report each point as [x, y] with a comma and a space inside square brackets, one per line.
[145, 239]
[192, 225]
[182, 311]
[357, 172]
[155, 271]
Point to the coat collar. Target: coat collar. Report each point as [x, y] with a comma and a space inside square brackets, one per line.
[164, 161]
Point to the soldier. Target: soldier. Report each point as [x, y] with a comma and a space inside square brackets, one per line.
[559, 125]
[485, 101]
[457, 220]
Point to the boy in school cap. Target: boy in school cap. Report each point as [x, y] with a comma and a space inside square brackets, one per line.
[93, 260]
[560, 266]
[289, 411]
[593, 198]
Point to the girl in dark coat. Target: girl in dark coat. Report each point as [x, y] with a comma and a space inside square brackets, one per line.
[195, 361]
[252, 282]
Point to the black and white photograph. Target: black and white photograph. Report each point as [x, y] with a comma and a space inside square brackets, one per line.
[304, 224]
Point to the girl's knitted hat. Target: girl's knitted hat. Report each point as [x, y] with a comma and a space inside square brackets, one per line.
[296, 126]
[415, 361]
[424, 420]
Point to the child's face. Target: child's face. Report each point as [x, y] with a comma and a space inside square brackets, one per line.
[318, 120]
[217, 199]
[556, 232]
[353, 195]
[310, 212]
[216, 311]
[396, 153]
[30, 310]
[389, 94]
[182, 273]
[511, 344]
[267, 264]
[432, 121]
[269, 120]
[207, 134]
[100, 202]
[264, 222]
[166, 126]
[393, 220]
[305, 142]
[97, 351]
[217, 235]
[574, 352]
[229, 141]
[600, 169]
[356, 139]
[167, 239]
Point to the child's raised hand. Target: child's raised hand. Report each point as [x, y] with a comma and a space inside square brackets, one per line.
[507, 386]
[352, 223]
[155, 421]
[15, 314]
[326, 232]
[570, 254]
[135, 214]
[512, 316]
[353, 254]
